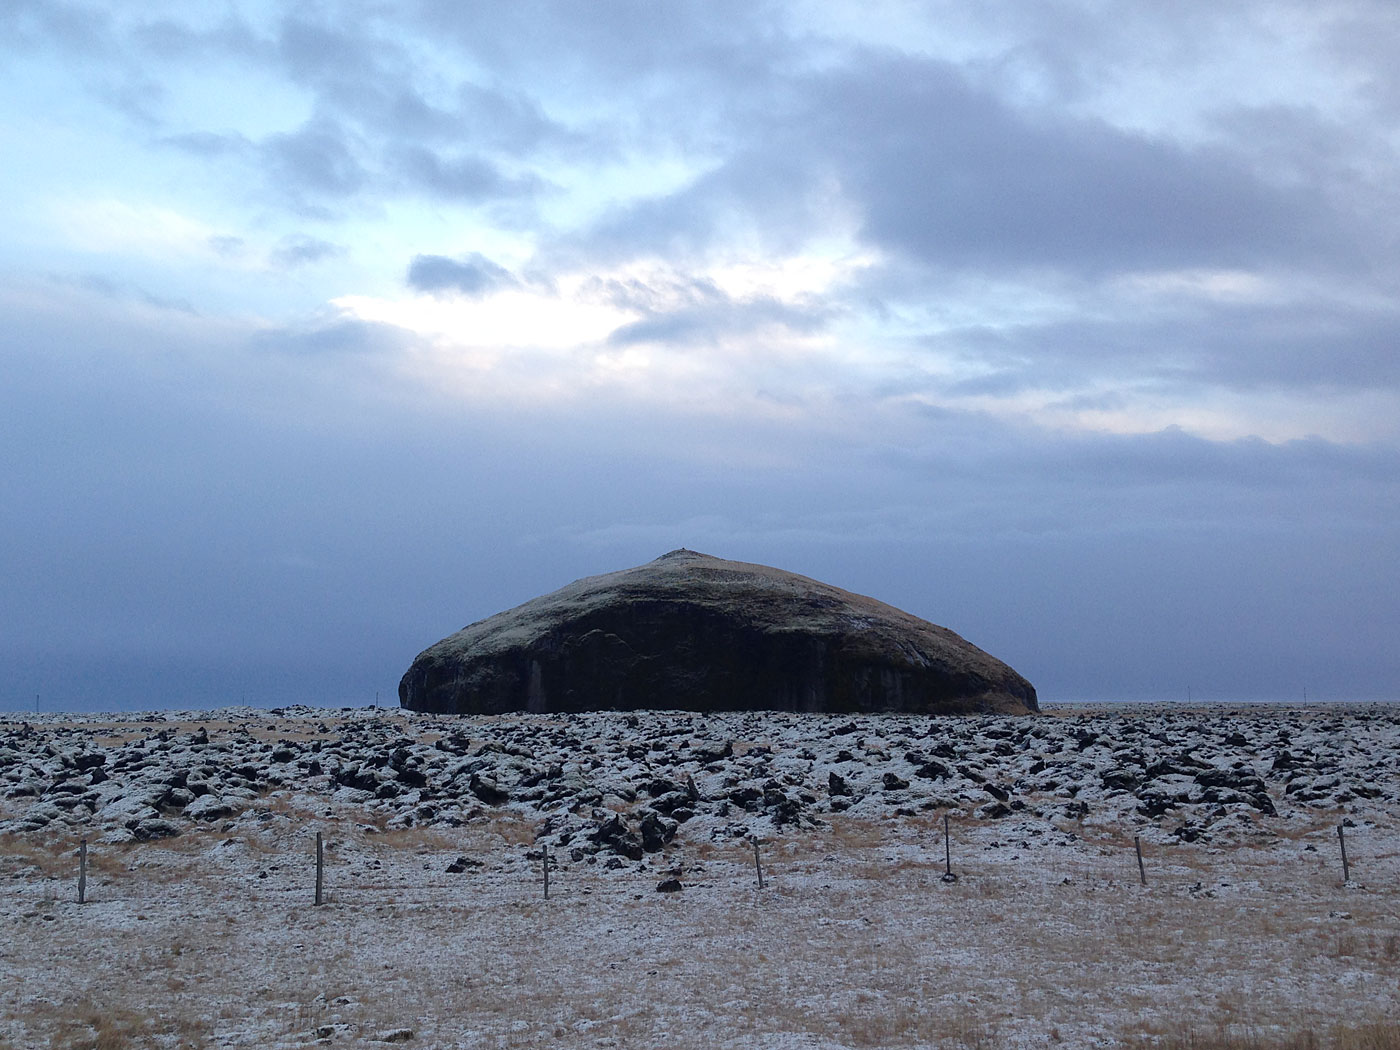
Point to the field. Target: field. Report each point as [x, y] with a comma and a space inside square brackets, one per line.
[206, 934]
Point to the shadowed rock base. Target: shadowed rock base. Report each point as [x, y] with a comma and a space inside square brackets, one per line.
[693, 632]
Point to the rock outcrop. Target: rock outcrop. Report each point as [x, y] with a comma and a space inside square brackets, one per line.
[693, 632]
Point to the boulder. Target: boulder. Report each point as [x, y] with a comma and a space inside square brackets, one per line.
[693, 632]
[155, 828]
[656, 830]
[615, 835]
[128, 811]
[211, 807]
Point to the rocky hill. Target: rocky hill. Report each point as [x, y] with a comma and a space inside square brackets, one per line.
[693, 632]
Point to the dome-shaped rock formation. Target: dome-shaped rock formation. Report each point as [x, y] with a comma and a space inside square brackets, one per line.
[693, 632]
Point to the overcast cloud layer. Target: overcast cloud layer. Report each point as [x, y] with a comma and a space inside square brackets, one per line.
[327, 328]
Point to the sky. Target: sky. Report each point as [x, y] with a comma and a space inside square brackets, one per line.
[329, 328]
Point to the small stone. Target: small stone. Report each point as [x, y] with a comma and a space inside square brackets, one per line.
[671, 885]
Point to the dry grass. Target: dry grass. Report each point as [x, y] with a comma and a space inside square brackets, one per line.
[89, 1026]
[1378, 1036]
[856, 941]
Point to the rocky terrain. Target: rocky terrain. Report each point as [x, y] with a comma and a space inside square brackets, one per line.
[620, 785]
[694, 632]
[199, 928]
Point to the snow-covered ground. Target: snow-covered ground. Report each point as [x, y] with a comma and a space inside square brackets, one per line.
[200, 928]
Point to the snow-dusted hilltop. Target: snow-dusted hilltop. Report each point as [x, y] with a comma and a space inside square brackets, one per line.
[694, 632]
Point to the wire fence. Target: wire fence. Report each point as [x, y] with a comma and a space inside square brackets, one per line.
[347, 871]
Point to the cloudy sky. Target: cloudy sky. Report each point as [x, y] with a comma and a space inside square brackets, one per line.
[327, 328]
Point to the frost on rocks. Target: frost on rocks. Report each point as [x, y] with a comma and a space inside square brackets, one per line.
[435, 833]
[629, 784]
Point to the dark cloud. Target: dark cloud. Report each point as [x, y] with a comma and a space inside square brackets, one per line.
[373, 132]
[468, 179]
[511, 121]
[471, 275]
[1364, 36]
[956, 179]
[948, 176]
[663, 48]
[78, 28]
[940, 166]
[340, 337]
[340, 55]
[1174, 456]
[170, 40]
[1324, 346]
[296, 250]
[318, 160]
[933, 159]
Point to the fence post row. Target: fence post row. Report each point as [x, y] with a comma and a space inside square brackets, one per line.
[947, 876]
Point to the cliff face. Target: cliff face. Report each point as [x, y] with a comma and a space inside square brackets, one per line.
[693, 632]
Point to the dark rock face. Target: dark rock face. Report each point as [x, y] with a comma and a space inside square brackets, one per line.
[693, 632]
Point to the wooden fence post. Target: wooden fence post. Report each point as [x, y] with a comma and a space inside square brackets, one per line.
[320, 866]
[546, 871]
[757, 864]
[1342, 840]
[948, 875]
[1142, 872]
[82, 872]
